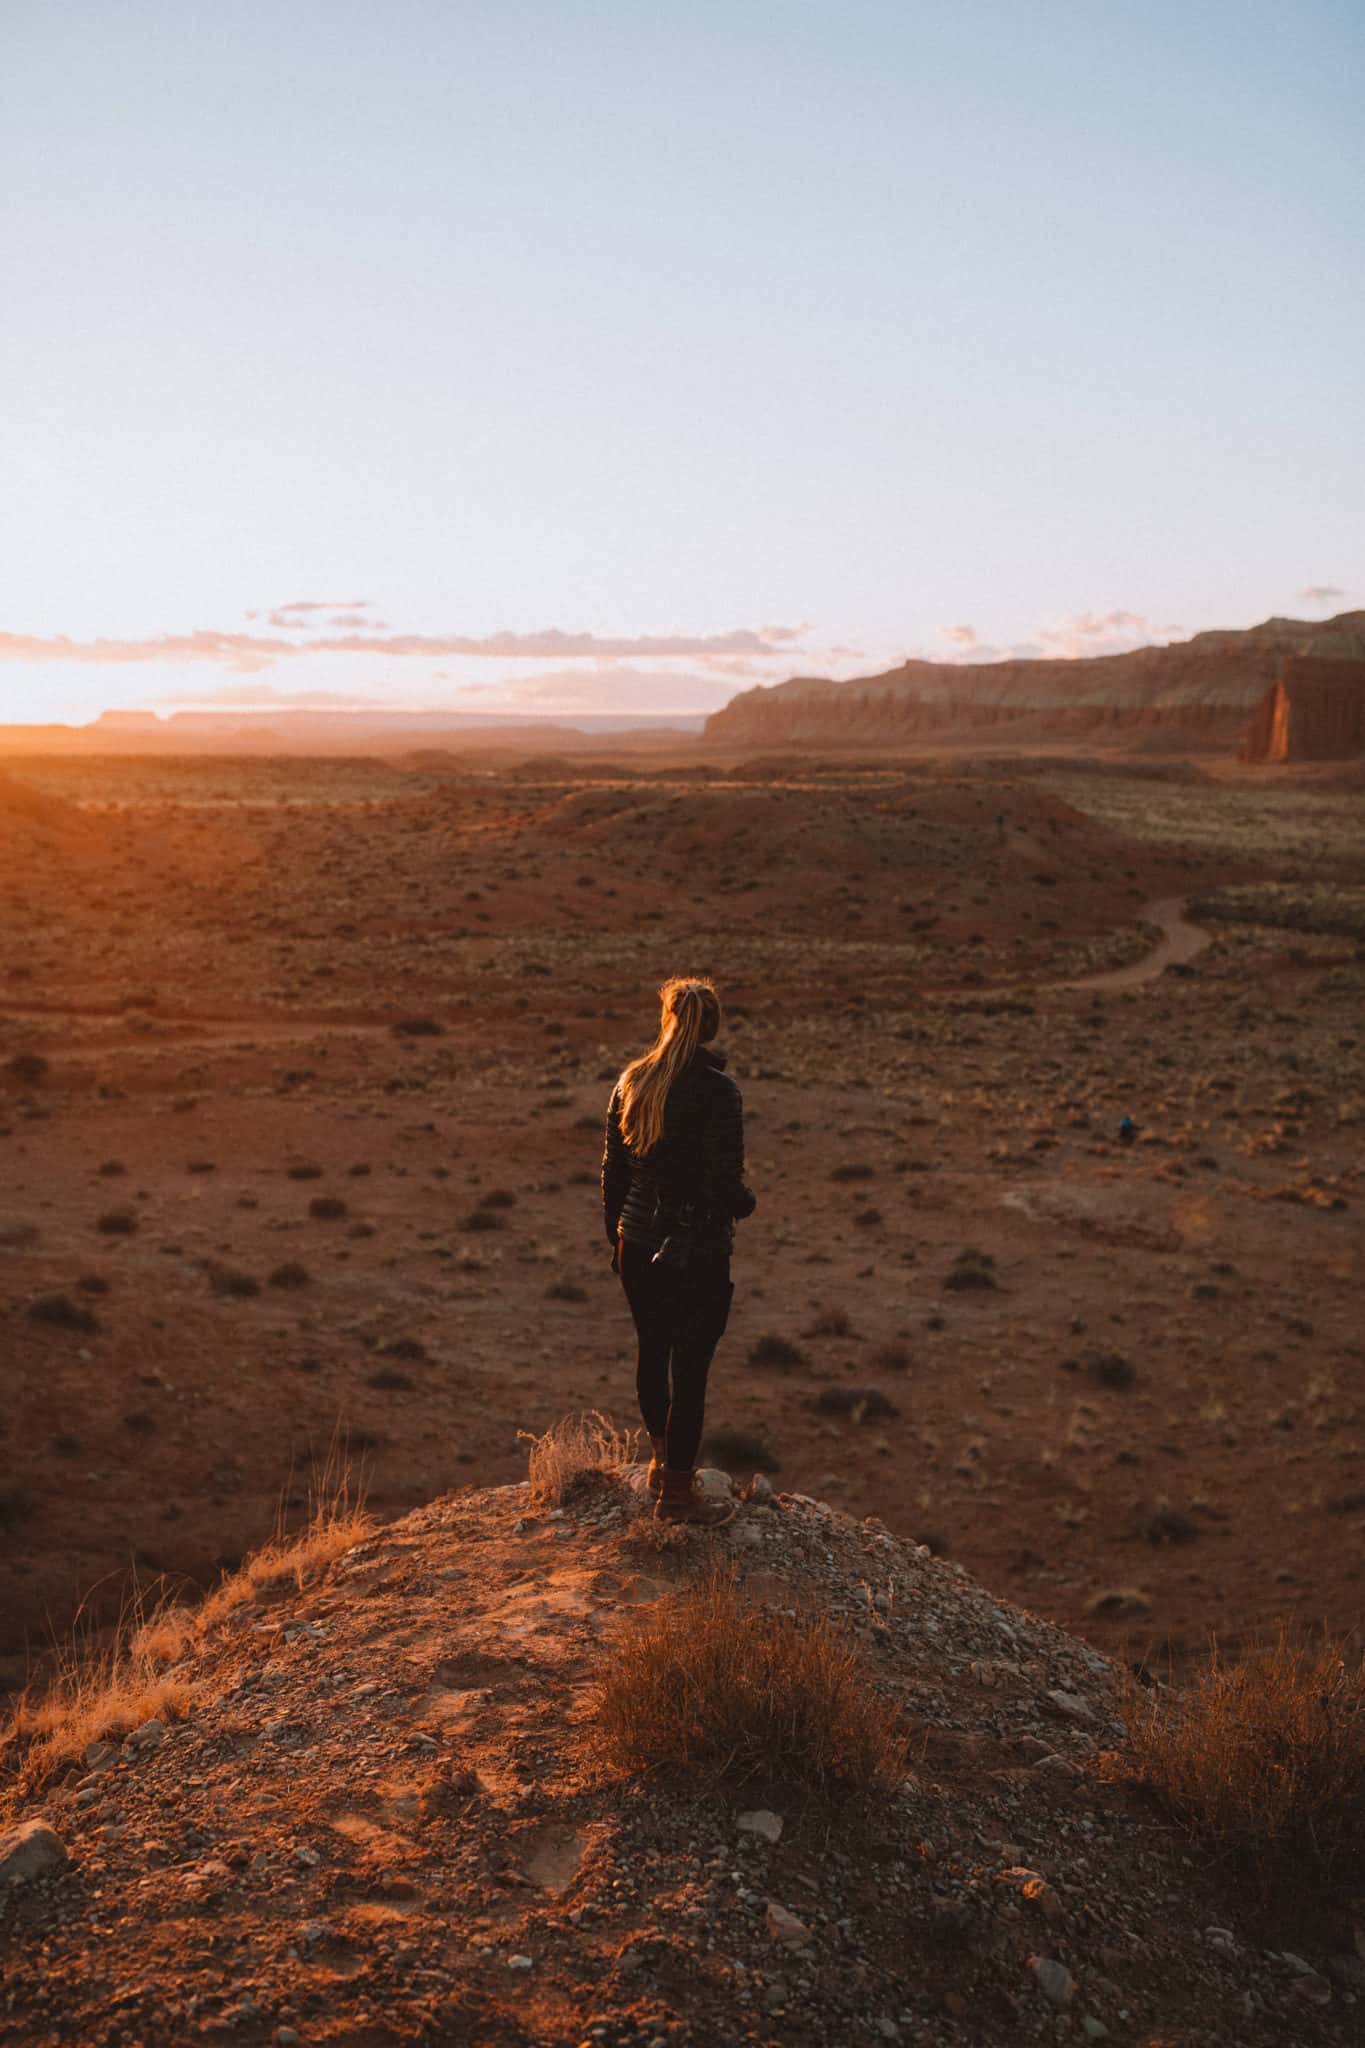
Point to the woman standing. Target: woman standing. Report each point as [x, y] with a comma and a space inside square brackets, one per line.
[672, 1186]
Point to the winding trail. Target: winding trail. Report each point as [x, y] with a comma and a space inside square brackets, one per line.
[1180, 941]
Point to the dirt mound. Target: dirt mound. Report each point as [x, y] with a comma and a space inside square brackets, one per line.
[382, 1819]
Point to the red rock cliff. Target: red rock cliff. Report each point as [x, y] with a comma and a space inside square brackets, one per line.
[1314, 711]
[1203, 689]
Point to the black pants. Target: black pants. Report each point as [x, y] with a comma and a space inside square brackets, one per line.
[679, 1320]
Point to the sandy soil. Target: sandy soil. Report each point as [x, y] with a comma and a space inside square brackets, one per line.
[302, 1070]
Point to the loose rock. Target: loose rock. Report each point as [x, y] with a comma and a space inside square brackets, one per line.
[31, 1849]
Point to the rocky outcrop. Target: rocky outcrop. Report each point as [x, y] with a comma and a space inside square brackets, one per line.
[1198, 692]
[1314, 711]
[384, 1819]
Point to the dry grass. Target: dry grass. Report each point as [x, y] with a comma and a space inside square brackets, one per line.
[99, 1691]
[104, 1688]
[337, 1519]
[577, 1443]
[1264, 1761]
[709, 1682]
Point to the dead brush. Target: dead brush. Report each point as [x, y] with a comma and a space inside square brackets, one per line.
[1263, 1760]
[99, 1690]
[107, 1685]
[577, 1444]
[708, 1682]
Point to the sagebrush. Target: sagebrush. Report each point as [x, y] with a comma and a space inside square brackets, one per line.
[708, 1681]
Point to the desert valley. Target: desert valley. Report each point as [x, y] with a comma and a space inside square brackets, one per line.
[1052, 1068]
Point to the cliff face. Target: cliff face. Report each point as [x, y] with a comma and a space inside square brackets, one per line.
[1201, 690]
[1314, 711]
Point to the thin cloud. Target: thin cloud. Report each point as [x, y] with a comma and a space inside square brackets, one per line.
[250, 652]
[266, 697]
[1320, 593]
[1083, 635]
[323, 604]
[613, 687]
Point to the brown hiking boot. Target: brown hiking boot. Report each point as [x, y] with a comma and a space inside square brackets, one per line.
[682, 1500]
[657, 1461]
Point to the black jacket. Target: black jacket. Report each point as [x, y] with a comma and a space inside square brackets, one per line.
[699, 1159]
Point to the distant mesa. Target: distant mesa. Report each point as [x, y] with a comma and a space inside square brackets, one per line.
[1199, 693]
[1314, 711]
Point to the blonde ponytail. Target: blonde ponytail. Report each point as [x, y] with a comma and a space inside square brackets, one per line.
[689, 1015]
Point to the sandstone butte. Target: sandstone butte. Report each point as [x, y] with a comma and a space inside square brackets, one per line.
[381, 1820]
[1199, 694]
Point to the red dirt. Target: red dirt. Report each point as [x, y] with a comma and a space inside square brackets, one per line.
[212, 956]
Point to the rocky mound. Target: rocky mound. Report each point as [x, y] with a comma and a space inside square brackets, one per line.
[1314, 711]
[382, 1821]
[1203, 690]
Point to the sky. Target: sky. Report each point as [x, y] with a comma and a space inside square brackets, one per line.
[508, 355]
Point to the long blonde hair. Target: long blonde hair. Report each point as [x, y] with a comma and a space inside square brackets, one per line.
[689, 1015]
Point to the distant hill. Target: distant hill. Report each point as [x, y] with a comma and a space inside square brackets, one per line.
[296, 731]
[1200, 693]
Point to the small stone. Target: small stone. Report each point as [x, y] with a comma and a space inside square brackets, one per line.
[150, 1735]
[1055, 1981]
[1070, 1705]
[1313, 1989]
[519, 1963]
[1039, 1893]
[759, 1491]
[31, 1849]
[888, 2029]
[286, 2037]
[1093, 2029]
[761, 1822]
[785, 1927]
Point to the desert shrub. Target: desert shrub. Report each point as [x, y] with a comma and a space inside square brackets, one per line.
[405, 1347]
[202, 1166]
[565, 1290]
[1263, 1761]
[1110, 1370]
[484, 1219]
[860, 1404]
[110, 1169]
[854, 1169]
[388, 1379]
[773, 1349]
[709, 1682]
[740, 1450]
[867, 1219]
[576, 1444]
[971, 1269]
[62, 1313]
[93, 1283]
[16, 1502]
[228, 1282]
[27, 1068]
[1165, 1524]
[117, 1222]
[291, 1274]
[418, 1027]
[831, 1322]
[327, 1208]
[498, 1198]
[304, 1170]
[892, 1358]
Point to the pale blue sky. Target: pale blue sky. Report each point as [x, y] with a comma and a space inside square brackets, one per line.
[667, 322]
